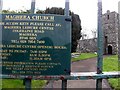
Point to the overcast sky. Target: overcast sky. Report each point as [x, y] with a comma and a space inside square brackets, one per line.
[86, 9]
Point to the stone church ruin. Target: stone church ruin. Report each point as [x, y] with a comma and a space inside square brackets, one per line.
[110, 26]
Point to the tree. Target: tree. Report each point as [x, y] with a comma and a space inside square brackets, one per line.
[8, 11]
[13, 12]
[76, 25]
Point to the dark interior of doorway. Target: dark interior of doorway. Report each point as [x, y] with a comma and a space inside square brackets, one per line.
[109, 49]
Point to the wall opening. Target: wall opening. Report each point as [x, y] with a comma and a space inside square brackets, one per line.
[105, 45]
[108, 17]
[109, 49]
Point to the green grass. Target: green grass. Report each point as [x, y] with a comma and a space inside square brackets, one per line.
[84, 56]
[12, 83]
[110, 63]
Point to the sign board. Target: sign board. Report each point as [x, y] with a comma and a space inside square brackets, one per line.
[35, 44]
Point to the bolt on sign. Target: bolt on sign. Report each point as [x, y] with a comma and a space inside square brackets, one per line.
[35, 44]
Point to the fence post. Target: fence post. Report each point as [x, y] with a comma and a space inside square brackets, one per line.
[66, 12]
[27, 81]
[64, 84]
[100, 46]
[33, 6]
[119, 38]
[66, 7]
[1, 2]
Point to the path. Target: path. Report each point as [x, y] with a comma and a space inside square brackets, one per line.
[88, 65]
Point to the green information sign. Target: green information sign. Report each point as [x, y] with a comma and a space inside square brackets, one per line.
[35, 44]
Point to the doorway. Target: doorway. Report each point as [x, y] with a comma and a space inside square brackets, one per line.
[109, 49]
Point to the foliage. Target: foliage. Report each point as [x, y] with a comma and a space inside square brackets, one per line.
[76, 31]
[8, 11]
[13, 12]
[110, 63]
[84, 56]
[76, 25]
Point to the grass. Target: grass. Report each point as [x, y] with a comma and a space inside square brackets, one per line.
[13, 83]
[110, 63]
[84, 56]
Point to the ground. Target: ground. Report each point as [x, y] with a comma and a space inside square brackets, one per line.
[88, 65]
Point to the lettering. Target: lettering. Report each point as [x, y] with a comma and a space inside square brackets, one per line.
[16, 17]
[33, 44]
[43, 18]
[27, 17]
[27, 34]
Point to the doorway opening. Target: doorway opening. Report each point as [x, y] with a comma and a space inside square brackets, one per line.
[109, 49]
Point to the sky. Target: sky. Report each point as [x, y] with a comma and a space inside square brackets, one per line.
[86, 9]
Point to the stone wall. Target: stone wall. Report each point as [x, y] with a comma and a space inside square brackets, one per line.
[87, 45]
[110, 24]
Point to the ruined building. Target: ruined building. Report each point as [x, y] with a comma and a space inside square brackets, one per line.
[110, 27]
[110, 24]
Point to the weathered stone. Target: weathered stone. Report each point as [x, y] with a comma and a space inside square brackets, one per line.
[110, 26]
[88, 45]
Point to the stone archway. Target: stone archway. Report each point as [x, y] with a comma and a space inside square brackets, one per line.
[109, 49]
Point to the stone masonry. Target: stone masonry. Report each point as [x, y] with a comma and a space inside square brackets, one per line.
[110, 26]
[87, 45]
